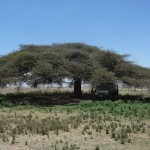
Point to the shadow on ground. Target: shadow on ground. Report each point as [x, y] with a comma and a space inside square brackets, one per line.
[63, 99]
[41, 99]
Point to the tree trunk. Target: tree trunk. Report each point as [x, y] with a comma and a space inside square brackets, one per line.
[34, 84]
[77, 87]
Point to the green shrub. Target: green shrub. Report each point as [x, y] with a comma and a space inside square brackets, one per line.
[7, 103]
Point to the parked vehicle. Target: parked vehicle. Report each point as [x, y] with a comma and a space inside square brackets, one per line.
[104, 91]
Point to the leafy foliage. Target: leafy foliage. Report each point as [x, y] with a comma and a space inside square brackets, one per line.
[102, 76]
[24, 63]
[51, 63]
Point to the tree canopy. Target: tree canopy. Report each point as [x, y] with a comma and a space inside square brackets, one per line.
[37, 64]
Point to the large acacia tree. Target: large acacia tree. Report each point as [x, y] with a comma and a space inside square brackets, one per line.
[38, 64]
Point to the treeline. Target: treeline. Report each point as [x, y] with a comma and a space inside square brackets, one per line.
[36, 64]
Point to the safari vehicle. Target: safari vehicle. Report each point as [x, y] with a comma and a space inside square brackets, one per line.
[104, 91]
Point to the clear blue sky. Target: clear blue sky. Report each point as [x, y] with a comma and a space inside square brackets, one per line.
[120, 25]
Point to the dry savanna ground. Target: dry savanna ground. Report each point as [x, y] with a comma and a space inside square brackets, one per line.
[122, 91]
[100, 125]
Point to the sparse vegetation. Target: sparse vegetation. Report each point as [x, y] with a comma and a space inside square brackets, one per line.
[87, 125]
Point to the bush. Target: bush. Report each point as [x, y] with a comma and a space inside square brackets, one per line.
[7, 103]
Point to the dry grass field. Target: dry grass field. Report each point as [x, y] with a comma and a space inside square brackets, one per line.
[101, 125]
[70, 124]
[27, 90]
[122, 91]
